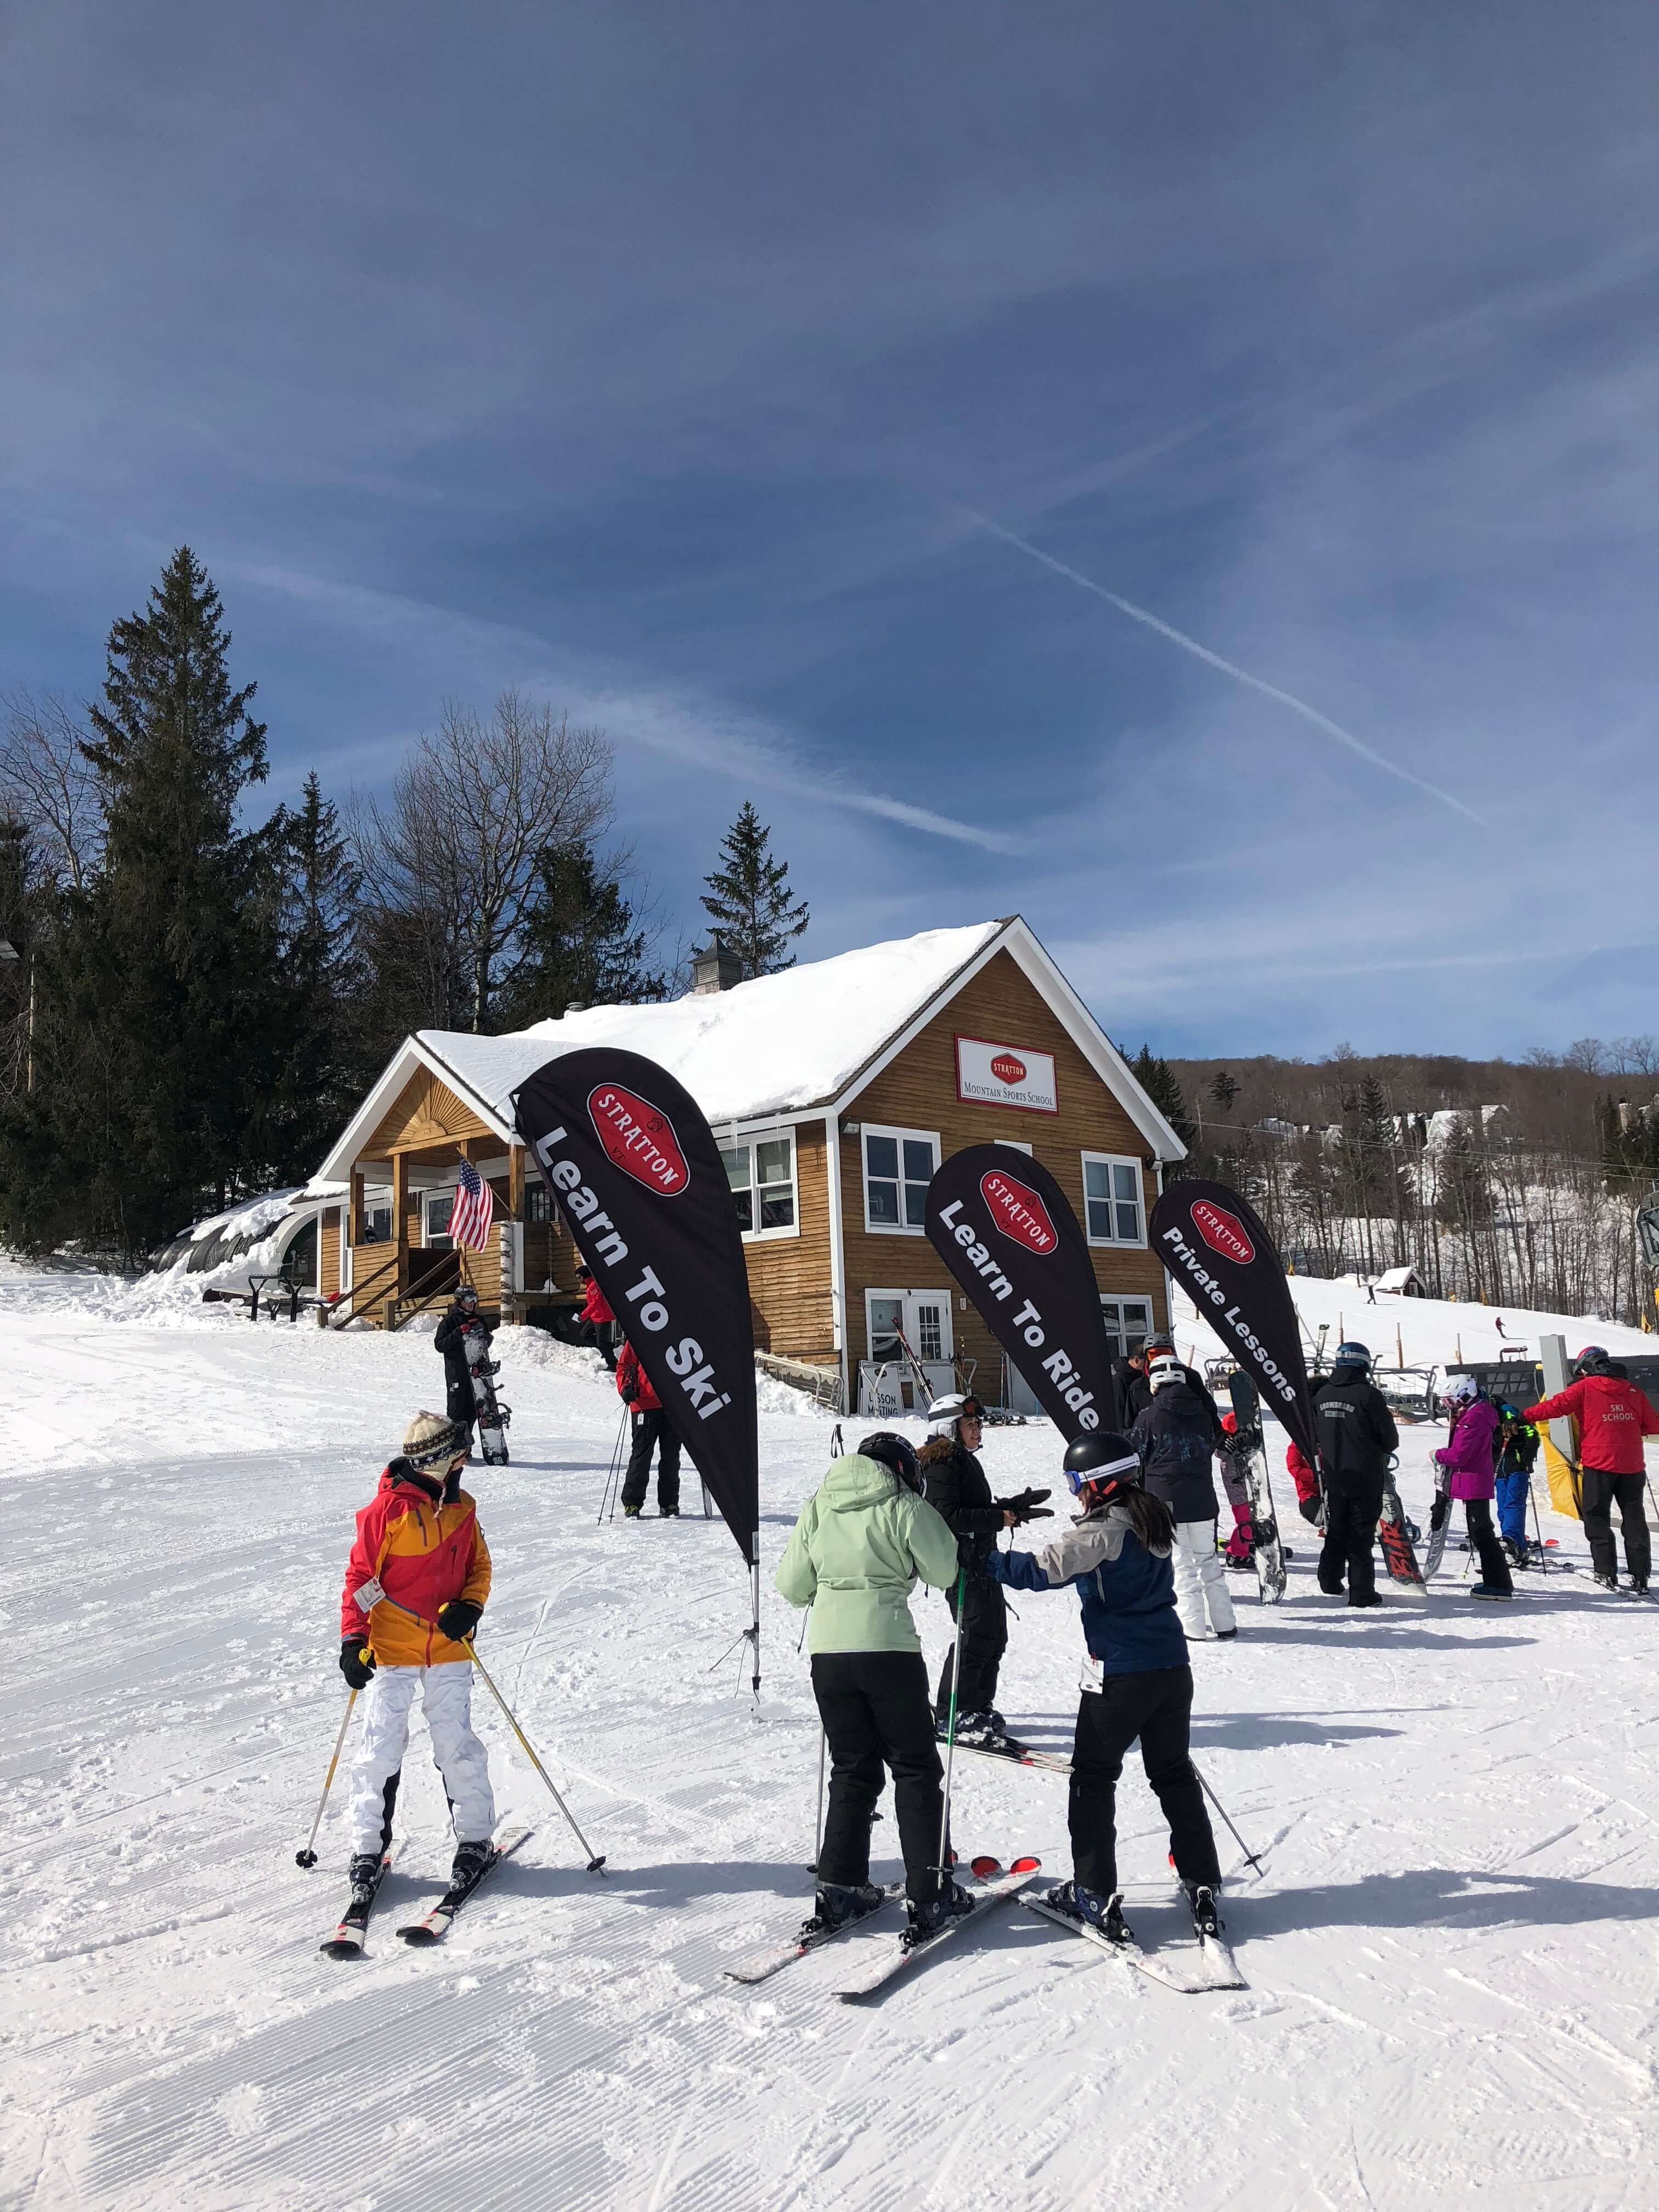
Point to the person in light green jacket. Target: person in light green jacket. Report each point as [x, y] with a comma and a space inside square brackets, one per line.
[864, 1540]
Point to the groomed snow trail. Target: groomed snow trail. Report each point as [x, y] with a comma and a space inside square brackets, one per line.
[1453, 1964]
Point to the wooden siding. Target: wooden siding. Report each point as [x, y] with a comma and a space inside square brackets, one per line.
[789, 1276]
[918, 1091]
[328, 1252]
[426, 1116]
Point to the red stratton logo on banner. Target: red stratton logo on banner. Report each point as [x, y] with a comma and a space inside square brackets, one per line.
[1007, 1069]
[639, 1138]
[1223, 1233]
[1018, 1211]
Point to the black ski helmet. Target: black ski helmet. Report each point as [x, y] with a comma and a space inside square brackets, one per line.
[467, 1296]
[896, 1453]
[1594, 1359]
[1101, 1462]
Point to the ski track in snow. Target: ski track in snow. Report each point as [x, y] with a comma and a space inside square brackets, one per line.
[1452, 1963]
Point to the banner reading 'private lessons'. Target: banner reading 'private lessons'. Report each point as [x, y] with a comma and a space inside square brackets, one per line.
[636, 1172]
[1214, 1246]
[1007, 1232]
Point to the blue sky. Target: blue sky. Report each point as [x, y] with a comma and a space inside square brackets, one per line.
[820, 399]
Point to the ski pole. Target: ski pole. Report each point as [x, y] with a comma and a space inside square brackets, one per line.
[950, 1729]
[594, 1865]
[610, 1473]
[308, 1856]
[1222, 1809]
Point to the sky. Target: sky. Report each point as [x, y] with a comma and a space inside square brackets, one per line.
[1183, 473]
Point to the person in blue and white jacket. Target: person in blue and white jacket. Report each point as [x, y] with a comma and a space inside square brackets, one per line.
[1136, 1680]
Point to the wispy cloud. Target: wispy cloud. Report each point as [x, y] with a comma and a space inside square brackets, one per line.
[1274, 691]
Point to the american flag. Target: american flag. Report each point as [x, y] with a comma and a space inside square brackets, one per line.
[472, 1213]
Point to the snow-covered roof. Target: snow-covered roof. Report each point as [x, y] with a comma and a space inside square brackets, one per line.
[777, 1047]
[1396, 1278]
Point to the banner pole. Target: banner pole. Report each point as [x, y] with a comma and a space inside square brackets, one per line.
[754, 1571]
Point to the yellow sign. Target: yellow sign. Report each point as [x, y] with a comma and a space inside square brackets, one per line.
[1563, 1483]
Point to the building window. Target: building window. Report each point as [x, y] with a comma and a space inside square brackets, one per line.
[921, 1318]
[435, 1209]
[898, 1166]
[1111, 1198]
[1128, 1324]
[538, 1202]
[762, 1174]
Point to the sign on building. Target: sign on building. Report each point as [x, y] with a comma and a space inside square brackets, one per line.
[990, 1074]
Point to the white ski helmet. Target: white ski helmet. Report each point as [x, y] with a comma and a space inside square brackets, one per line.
[945, 1412]
[1461, 1388]
[1165, 1369]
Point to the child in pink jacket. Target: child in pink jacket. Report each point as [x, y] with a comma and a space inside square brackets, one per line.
[1469, 1457]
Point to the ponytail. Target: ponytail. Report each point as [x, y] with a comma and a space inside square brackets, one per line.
[1149, 1517]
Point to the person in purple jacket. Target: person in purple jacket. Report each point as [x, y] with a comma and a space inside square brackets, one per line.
[1469, 1458]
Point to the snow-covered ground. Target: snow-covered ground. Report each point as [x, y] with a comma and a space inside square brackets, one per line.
[1452, 1962]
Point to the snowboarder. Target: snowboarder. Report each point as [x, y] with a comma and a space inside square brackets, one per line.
[954, 1485]
[1357, 1435]
[461, 1319]
[420, 1558]
[1175, 1439]
[651, 1429]
[598, 1323]
[1612, 1417]
[1469, 1457]
[1517, 1455]
[1136, 1679]
[1239, 1550]
[861, 1544]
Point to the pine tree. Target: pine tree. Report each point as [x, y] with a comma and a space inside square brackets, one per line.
[1223, 1090]
[160, 991]
[327, 1059]
[586, 944]
[751, 905]
[1157, 1079]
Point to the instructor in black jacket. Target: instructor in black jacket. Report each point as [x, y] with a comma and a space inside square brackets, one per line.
[461, 1319]
[954, 1484]
[1357, 1435]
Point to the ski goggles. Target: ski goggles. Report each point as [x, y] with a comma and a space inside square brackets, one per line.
[1078, 1483]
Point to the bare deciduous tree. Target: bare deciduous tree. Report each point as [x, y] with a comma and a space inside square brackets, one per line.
[46, 784]
[449, 863]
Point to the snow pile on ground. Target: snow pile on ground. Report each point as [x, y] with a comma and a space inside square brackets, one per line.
[1451, 1962]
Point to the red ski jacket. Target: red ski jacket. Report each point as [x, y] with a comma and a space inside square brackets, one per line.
[633, 1384]
[1306, 1481]
[597, 1306]
[423, 1555]
[1613, 1418]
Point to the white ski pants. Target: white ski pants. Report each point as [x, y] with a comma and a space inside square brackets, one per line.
[447, 1700]
[1200, 1580]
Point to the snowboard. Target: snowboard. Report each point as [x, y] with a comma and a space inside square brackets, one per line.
[1439, 1519]
[1250, 1457]
[1398, 1556]
[491, 1416]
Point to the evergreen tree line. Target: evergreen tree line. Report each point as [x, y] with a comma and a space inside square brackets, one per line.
[192, 1004]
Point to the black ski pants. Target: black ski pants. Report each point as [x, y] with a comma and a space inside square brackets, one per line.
[875, 1712]
[652, 1430]
[1484, 1540]
[1599, 1491]
[984, 1640]
[1352, 1513]
[461, 1406]
[1158, 1707]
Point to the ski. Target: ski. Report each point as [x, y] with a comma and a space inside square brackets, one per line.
[992, 1887]
[1016, 1754]
[1397, 1554]
[1250, 1457]
[1153, 1965]
[347, 1940]
[761, 1966]
[435, 1925]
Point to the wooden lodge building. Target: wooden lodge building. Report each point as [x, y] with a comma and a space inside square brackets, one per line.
[835, 1089]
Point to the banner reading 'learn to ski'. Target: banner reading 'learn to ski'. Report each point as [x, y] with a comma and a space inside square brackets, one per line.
[636, 1172]
[1008, 1233]
[1215, 1247]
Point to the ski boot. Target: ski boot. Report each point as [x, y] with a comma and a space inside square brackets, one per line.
[363, 1874]
[922, 1921]
[1638, 1585]
[469, 1862]
[839, 1902]
[668, 1513]
[630, 1513]
[1374, 1599]
[1200, 1899]
[1104, 1914]
[1486, 1590]
[1605, 1581]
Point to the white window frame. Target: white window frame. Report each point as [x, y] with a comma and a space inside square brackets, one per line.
[443, 1190]
[916, 1136]
[1117, 1333]
[906, 1299]
[750, 1144]
[1013, 1145]
[1115, 1160]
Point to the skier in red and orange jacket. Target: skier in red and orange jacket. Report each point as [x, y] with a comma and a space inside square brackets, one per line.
[651, 1427]
[415, 1586]
[1612, 1417]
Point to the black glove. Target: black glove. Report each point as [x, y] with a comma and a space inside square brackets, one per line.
[1438, 1511]
[1028, 1506]
[1308, 1507]
[357, 1661]
[459, 1618]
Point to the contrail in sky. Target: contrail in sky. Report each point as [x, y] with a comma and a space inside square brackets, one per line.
[1227, 667]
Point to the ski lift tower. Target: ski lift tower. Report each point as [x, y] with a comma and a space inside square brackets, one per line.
[1647, 1238]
